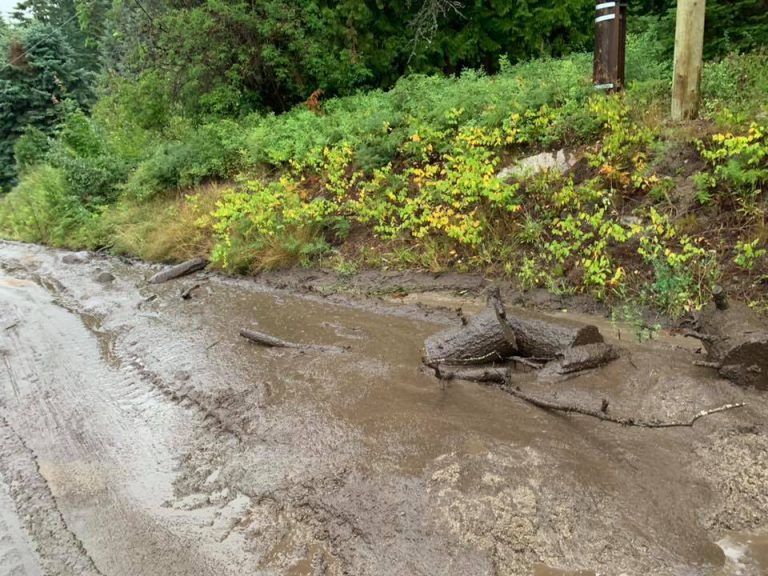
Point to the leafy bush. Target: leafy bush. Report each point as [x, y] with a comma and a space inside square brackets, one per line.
[739, 168]
[31, 148]
[199, 154]
[42, 209]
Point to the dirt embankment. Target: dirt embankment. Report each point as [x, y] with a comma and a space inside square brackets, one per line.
[167, 442]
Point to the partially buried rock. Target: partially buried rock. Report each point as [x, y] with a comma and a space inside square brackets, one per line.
[104, 278]
[75, 258]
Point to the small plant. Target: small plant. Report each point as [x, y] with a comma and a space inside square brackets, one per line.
[631, 315]
[747, 253]
[739, 168]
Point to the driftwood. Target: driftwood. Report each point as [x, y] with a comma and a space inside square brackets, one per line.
[274, 342]
[736, 343]
[584, 357]
[602, 412]
[472, 373]
[572, 360]
[479, 341]
[187, 294]
[179, 270]
[495, 336]
[542, 337]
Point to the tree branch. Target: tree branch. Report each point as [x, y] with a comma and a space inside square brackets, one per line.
[602, 415]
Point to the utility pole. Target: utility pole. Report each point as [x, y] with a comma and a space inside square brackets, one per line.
[610, 42]
[689, 48]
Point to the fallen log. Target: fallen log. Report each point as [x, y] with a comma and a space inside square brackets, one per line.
[488, 373]
[542, 337]
[479, 341]
[583, 357]
[179, 270]
[736, 341]
[273, 342]
[494, 335]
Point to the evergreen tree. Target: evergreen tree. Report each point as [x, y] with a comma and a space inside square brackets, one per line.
[37, 74]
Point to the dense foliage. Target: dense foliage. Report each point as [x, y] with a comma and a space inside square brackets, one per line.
[241, 131]
[39, 74]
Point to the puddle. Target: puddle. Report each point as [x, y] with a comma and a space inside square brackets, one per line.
[746, 554]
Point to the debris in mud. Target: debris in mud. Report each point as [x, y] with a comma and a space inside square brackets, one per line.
[187, 294]
[179, 270]
[736, 343]
[602, 412]
[272, 342]
[493, 341]
[76, 258]
[473, 373]
[104, 278]
[492, 345]
[584, 357]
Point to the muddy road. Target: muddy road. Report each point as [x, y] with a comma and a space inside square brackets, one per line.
[140, 435]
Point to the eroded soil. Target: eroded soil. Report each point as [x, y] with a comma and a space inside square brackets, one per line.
[140, 435]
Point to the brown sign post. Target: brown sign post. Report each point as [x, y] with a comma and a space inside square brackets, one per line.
[610, 42]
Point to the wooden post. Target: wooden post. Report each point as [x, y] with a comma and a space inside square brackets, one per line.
[610, 40]
[689, 48]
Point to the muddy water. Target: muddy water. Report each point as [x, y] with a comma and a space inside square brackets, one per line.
[154, 440]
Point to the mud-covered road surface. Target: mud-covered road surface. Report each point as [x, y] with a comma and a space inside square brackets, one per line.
[140, 435]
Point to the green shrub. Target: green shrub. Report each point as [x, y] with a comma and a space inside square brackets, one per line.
[31, 148]
[42, 209]
[212, 151]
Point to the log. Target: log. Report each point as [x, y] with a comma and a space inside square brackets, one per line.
[187, 294]
[584, 357]
[543, 337]
[179, 270]
[736, 341]
[273, 342]
[495, 335]
[480, 341]
[482, 373]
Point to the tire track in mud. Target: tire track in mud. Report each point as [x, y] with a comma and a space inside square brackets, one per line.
[60, 551]
[131, 364]
[183, 396]
[86, 401]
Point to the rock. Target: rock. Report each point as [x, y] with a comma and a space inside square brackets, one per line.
[76, 258]
[104, 278]
[560, 161]
[182, 376]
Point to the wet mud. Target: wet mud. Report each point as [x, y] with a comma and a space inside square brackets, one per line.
[140, 434]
